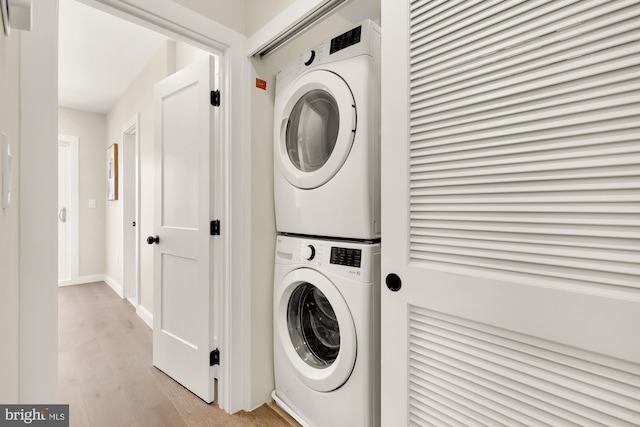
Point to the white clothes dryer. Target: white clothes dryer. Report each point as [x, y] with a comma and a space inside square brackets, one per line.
[326, 331]
[327, 138]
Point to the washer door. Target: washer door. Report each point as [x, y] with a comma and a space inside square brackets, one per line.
[316, 330]
[316, 129]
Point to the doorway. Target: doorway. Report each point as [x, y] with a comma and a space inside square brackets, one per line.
[38, 125]
[68, 252]
[131, 209]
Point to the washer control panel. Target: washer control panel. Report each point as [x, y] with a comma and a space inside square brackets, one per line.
[348, 257]
[353, 260]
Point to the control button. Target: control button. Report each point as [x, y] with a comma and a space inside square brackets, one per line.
[310, 56]
[308, 252]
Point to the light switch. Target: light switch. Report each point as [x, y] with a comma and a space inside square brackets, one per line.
[92, 203]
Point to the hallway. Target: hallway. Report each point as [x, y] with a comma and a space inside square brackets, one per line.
[106, 375]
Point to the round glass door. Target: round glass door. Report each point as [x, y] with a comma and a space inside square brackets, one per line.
[315, 329]
[314, 130]
[313, 326]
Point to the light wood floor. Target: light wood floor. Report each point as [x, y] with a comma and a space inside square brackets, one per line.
[106, 375]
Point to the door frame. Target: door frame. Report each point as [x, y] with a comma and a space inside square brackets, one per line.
[38, 314]
[180, 23]
[131, 195]
[74, 207]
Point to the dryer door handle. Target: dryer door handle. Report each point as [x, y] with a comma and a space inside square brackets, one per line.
[283, 129]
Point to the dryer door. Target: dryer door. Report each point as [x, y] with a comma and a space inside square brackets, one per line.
[316, 128]
[316, 330]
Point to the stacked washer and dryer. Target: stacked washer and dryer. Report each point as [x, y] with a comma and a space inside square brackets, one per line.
[327, 262]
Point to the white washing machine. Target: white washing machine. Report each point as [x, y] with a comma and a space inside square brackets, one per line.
[326, 331]
[327, 138]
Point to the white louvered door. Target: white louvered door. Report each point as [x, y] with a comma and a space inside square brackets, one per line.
[511, 212]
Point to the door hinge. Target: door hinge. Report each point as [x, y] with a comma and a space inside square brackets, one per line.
[215, 228]
[214, 357]
[215, 98]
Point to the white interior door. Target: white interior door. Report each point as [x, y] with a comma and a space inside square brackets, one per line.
[131, 238]
[183, 334]
[510, 175]
[68, 210]
[64, 269]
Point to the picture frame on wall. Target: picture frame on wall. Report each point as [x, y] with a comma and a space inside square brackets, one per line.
[112, 172]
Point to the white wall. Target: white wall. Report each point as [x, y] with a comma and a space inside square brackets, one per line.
[225, 12]
[90, 128]
[260, 12]
[9, 221]
[187, 55]
[244, 16]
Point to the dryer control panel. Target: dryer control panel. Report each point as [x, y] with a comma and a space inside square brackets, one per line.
[363, 39]
[346, 39]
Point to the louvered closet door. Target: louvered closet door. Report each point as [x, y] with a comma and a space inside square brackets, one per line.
[511, 212]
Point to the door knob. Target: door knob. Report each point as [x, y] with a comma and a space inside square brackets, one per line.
[393, 282]
[62, 215]
[151, 240]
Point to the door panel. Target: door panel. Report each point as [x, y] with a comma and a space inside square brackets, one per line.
[510, 202]
[183, 283]
[180, 279]
[131, 239]
[64, 243]
[68, 210]
[180, 180]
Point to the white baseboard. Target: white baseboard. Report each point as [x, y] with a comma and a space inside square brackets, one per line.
[82, 280]
[144, 314]
[117, 288]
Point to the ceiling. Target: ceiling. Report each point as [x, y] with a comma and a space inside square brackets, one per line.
[99, 56]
